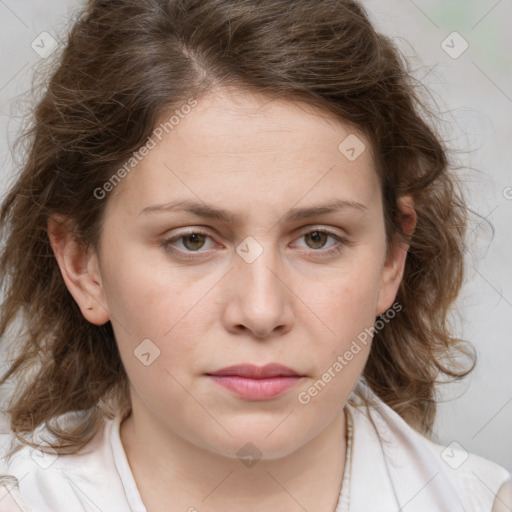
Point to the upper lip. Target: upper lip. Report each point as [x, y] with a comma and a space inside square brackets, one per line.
[257, 372]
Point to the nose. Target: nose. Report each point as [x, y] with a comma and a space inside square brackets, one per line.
[259, 298]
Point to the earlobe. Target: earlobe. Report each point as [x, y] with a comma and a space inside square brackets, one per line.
[394, 265]
[79, 269]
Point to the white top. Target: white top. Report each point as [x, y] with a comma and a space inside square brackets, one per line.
[389, 467]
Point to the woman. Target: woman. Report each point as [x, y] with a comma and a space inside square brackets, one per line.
[233, 247]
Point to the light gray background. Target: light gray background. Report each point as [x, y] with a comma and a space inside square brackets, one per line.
[474, 94]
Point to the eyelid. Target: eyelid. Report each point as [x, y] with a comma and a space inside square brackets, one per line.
[319, 227]
[179, 236]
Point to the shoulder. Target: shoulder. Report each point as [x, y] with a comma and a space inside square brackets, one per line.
[40, 479]
[10, 497]
[449, 473]
[478, 480]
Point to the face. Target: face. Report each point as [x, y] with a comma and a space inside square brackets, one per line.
[190, 292]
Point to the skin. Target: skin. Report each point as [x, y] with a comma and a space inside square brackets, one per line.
[294, 304]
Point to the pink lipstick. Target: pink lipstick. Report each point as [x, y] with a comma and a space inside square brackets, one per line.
[257, 382]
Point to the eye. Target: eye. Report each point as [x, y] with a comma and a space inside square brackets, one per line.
[193, 241]
[316, 240]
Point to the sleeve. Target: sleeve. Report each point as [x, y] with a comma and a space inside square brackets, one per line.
[10, 497]
[503, 500]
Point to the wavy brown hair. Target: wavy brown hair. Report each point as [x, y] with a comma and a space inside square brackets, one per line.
[124, 63]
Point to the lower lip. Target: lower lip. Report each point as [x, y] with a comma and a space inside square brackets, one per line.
[256, 389]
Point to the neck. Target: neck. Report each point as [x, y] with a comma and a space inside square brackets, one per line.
[169, 469]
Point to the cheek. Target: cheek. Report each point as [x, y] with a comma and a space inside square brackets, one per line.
[149, 297]
[346, 305]
[348, 296]
[164, 305]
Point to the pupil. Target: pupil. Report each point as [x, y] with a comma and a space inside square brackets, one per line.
[194, 238]
[317, 236]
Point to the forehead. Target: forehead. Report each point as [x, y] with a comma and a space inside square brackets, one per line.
[237, 149]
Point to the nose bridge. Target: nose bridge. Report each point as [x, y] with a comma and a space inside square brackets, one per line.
[257, 271]
[261, 297]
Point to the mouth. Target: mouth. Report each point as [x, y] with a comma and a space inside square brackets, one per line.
[257, 383]
[251, 371]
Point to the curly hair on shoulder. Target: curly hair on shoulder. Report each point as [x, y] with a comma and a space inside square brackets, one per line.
[124, 63]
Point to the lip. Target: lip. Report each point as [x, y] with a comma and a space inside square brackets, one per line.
[252, 371]
[256, 382]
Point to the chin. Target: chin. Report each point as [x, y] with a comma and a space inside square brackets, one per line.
[252, 444]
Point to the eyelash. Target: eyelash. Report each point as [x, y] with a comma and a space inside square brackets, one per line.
[335, 250]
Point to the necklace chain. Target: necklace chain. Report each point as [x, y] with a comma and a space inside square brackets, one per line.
[344, 501]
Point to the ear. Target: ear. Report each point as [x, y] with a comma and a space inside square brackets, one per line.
[393, 269]
[80, 270]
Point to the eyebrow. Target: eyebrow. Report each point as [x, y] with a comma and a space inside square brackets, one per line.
[211, 212]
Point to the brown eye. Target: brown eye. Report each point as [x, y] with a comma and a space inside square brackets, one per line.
[318, 239]
[193, 241]
[187, 243]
